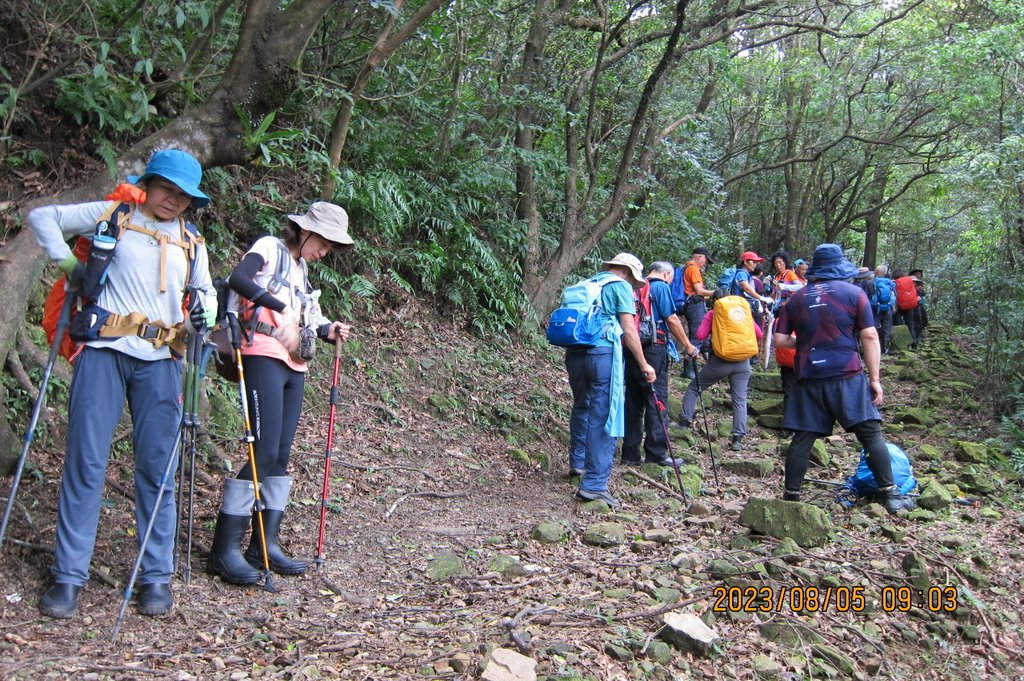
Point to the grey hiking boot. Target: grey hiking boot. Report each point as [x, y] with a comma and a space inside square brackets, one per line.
[895, 502]
[602, 495]
[737, 443]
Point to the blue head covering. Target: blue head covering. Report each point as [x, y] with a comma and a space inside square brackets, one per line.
[828, 263]
[179, 167]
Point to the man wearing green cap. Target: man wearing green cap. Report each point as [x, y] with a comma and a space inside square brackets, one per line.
[133, 335]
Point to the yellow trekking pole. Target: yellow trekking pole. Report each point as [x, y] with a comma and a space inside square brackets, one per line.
[236, 344]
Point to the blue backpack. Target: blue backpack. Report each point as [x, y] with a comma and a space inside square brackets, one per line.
[580, 321]
[884, 296]
[862, 482]
[727, 279]
[678, 287]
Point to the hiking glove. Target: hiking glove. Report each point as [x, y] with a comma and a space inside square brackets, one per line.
[73, 268]
[202, 318]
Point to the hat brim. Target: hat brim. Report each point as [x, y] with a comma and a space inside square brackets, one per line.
[841, 270]
[638, 277]
[335, 235]
[199, 199]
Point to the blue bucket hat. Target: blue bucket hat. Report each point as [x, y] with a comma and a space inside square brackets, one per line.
[828, 263]
[179, 167]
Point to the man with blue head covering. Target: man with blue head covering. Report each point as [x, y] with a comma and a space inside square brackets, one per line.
[829, 316]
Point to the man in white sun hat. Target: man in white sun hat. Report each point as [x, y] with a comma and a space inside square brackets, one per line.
[596, 376]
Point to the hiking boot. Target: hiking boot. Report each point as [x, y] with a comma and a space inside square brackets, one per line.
[602, 495]
[895, 502]
[683, 423]
[275, 491]
[737, 443]
[631, 462]
[576, 472]
[60, 600]
[667, 461]
[788, 495]
[154, 599]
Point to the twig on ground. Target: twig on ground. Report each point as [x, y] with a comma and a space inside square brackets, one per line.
[434, 495]
[654, 483]
[28, 518]
[120, 488]
[356, 467]
[43, 548]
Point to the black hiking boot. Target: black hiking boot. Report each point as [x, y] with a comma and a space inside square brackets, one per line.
[789, 495]
[154, 599]
[226, 557]
[60, 600]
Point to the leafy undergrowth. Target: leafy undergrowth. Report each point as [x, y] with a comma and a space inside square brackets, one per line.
[447, 447]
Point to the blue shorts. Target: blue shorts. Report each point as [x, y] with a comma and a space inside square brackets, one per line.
[815, 406]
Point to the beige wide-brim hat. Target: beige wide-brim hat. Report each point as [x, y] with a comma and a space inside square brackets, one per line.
[327, 220]
[630, 262]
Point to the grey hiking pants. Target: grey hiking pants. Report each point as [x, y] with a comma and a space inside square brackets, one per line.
[103, 379]
[715, 370]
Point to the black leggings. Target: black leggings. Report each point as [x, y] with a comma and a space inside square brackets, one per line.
[869, 434]
[274, 393]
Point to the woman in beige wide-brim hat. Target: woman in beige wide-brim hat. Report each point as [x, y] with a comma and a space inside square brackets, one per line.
[277, 307]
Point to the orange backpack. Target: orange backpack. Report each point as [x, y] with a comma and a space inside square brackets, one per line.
[732, 330]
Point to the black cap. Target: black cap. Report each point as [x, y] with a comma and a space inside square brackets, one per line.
[700, 250]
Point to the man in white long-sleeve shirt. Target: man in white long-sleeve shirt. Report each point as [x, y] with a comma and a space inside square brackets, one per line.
[132, 334]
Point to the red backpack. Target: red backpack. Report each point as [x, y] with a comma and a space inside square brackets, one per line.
[644, 317]
[906, 293]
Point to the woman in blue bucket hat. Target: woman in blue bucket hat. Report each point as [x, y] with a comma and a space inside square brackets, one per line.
[132, 332]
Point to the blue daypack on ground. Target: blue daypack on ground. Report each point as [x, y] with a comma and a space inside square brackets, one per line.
[862, 482]
[884, 296]
[580, 321]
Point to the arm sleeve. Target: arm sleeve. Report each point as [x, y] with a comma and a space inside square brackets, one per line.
[54, 225]
[243, 282]
[704, 330]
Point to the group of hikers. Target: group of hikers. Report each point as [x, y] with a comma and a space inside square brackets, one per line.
[620, 330]
[144, 283]
[145, 288]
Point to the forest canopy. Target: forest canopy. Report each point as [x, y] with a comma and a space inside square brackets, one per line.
[489, 152]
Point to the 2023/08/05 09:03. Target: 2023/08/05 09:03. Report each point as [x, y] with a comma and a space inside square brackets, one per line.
[840, 599]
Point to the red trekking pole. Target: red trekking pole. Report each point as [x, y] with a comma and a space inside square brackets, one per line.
[327, 453]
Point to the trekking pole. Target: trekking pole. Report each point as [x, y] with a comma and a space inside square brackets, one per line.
[766, 359]
[186, 429]
[662, 412]
[707, 432]
[62, 324]
[236, 344]
[327, 453]
[168, 473]
[197, 358]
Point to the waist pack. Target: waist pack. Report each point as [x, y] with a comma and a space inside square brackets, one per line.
[580, 321]
[732, 330]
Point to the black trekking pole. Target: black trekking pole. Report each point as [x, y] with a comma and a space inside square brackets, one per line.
[167, 474]
[327, 453]
[197, 356]
[707, 432]
[663, 418]
[236, 344]
[62, 324]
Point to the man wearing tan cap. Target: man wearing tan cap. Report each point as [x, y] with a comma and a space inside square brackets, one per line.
[596, 377]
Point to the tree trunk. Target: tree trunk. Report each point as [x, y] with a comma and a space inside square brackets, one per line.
[873, 220]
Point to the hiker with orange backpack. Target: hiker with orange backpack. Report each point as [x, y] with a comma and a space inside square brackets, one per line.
[908, 303]
[132, 331]
[656, 312]
[734, 335]
[277, 308]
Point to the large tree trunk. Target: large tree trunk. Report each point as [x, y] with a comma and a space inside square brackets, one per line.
[873, 220]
